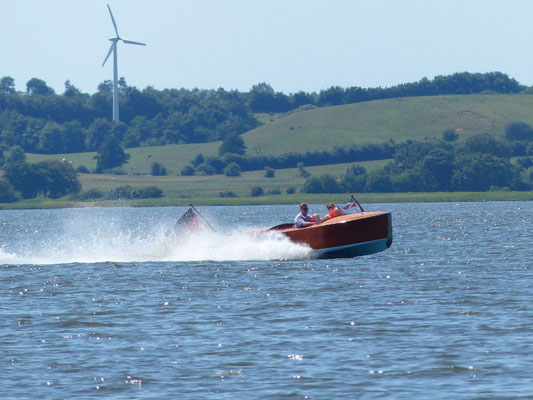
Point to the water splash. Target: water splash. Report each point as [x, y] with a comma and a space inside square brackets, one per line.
[118, 245]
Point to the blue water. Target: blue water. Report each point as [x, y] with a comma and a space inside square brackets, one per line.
[100, 303]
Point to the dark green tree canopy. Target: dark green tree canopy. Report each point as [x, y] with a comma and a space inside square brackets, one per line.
[38, 86]
[232, 144]
[110, 154]
[7, 85]
[50, 178]
[518, 131]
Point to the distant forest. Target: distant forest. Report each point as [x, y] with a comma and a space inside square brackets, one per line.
[41, 121]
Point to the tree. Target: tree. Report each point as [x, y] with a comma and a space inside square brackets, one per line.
[158, 169]
[257, 191]
[313, 185]
[232, 144]
[50, 139]
[518, 131]
[7, 192]
[15, 154]
[478, 172]
[270, 172]
[450, 135]
[110, 154]
[7, 85]
[378, 181]
[71, 90]
[73, 137]
[484, 143]
[51, 178]
[354, 178]
[59, 178]
[232, 169]
[96, 133]
[39, 87]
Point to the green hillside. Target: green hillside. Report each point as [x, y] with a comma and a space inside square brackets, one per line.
[378, 121]
[400, 119]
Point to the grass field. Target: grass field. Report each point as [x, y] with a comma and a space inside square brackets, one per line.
[364, 199]
[210, 186]
[400, 119]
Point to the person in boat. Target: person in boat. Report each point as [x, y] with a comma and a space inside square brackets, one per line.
[333, 211]
[303, 219]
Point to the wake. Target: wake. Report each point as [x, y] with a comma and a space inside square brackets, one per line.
[134, 246]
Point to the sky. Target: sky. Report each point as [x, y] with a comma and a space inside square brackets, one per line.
[292, 45]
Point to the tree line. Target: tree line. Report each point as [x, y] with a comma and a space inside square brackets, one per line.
[41, 121]
[479, 162]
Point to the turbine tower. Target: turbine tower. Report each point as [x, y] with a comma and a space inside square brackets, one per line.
[113, 48]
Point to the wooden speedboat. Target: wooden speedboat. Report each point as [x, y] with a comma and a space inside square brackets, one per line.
[348, 235]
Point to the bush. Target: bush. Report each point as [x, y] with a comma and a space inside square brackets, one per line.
[291, 190]
[158, 169]
[90, 194]
[227, 193]
[274, 191]
[518, 131]
[149, 192]
[121, 192]
[7, 192]
[269, 172]
[233, 169]
[257, 191]
[188, 170]
[205, 169]
[128, 192]
[82, 169]
[450, 135]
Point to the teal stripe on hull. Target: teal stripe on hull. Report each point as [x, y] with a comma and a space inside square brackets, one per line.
[353, 250]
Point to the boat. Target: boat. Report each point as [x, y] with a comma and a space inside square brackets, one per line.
[344, 236]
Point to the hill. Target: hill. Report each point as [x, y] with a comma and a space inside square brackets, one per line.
[413, 118]
[401, 119]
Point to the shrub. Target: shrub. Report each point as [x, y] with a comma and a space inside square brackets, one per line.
[257, 191]
[128, 192]
[313, 185]
[274, 191]
[7, 192]
[82, 169]
[205, 169]
[450, 135]
[518, 131]
[149, 192]
[291, 190]
[90, 194]
[121, 192]
[188, 170]
[269, 172]
[227, 193]
[233, 169]
[158, 169]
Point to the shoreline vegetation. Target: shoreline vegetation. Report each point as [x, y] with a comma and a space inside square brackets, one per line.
[364, 198]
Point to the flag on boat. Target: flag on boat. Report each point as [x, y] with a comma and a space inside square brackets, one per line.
[189, 222]
[350, 204]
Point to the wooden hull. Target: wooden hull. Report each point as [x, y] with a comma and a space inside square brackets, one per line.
[349, 235]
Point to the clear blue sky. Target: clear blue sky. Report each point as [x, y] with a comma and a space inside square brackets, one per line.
[291, 44]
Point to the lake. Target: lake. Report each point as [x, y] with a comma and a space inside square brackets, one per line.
[102, 303]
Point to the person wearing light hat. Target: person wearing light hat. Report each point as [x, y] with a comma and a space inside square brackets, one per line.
[303, 219]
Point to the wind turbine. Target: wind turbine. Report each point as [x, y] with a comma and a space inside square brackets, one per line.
[113, 48]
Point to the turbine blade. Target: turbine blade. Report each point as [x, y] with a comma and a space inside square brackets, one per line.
[113, 20]
[132, 42]
[108, 54]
